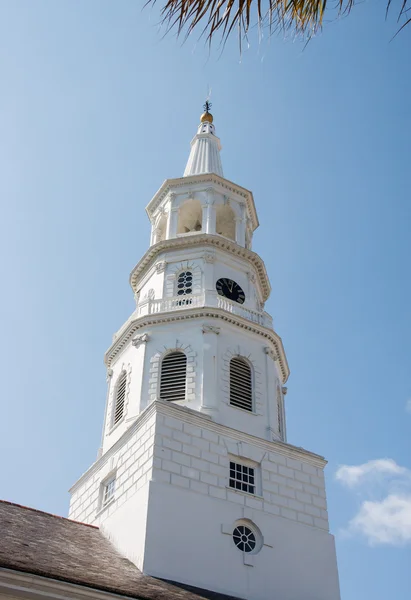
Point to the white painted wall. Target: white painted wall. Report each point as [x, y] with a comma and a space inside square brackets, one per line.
[185, 543]
[130, 459]
[208, 380]
[173, 512]
[126, 526]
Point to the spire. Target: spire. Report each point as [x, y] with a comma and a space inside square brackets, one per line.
[205, 148]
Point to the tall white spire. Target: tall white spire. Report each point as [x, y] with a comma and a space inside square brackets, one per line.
[205, 148]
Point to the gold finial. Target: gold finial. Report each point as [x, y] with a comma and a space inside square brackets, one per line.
[206, 117]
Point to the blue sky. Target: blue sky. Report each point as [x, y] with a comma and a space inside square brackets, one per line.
[96, 110]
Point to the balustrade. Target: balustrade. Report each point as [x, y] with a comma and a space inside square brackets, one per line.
[211, 299]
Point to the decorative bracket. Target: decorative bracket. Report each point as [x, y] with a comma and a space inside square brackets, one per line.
[271, 353]
[140, 339]
[209, 257]
[161, 266]
[211, 329]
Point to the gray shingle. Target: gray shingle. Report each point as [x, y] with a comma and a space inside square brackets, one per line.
[37, 542]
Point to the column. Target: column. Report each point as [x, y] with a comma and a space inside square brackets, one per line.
[209, 216]
[240, 228]
[209, 403]
[271, 394]
[172, 223]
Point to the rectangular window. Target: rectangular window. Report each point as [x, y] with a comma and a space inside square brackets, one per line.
[109, 487]
[242, 477]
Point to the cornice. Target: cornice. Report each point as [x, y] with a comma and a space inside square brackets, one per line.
[195, 313]
[170, 185]
[193, 417]
[202, 239]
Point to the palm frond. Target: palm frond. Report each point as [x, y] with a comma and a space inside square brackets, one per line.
[221, 17]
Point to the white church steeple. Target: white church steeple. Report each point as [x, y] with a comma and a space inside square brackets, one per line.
[205, 148]
[195, 481]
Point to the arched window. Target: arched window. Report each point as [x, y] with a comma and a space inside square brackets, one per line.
[190, 217]
[241, 388]
[279, 412]
[173, 376]
[225, 221]
[120, 396]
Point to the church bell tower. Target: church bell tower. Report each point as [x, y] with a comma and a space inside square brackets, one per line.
[195, 481]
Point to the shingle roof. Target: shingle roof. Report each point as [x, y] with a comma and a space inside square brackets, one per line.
[36, 542]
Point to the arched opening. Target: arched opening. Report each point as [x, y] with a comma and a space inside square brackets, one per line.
[161, 229]
[225, 221]
[190, 217]
[173, 376]
[241, 384]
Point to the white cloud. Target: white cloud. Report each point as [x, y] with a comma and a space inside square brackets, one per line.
[408, 406]
[352, 475]
[384, 490]
[384, 522]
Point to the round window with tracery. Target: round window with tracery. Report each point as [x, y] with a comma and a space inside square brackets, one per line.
[185, 283]
[244, 538]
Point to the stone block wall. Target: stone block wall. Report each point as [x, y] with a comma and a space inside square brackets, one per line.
[181, 447]
[197, 458]
[130, 460]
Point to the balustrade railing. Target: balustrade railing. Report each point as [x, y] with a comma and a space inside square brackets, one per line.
[211, 299]
[247, 313]
[149, 307]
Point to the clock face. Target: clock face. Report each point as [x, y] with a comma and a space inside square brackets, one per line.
[230, 289]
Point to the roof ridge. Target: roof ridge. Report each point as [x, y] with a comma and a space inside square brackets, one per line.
[43, 512]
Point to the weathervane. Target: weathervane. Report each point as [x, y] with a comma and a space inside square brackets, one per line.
[207, 105]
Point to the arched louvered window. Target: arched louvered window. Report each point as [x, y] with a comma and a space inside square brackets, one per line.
[173, 376]
[279, 412]
[120, 397]
[241, 387]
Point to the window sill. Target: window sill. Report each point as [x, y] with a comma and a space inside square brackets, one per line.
[105, 506]
[114, 427]
[244, 410]
[257, 496]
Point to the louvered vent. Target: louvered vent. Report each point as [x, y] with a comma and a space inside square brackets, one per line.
[241, 390]
[279, 412]
[120, 397]
[173, 377]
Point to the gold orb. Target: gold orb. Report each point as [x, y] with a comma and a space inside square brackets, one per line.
[206, 117]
